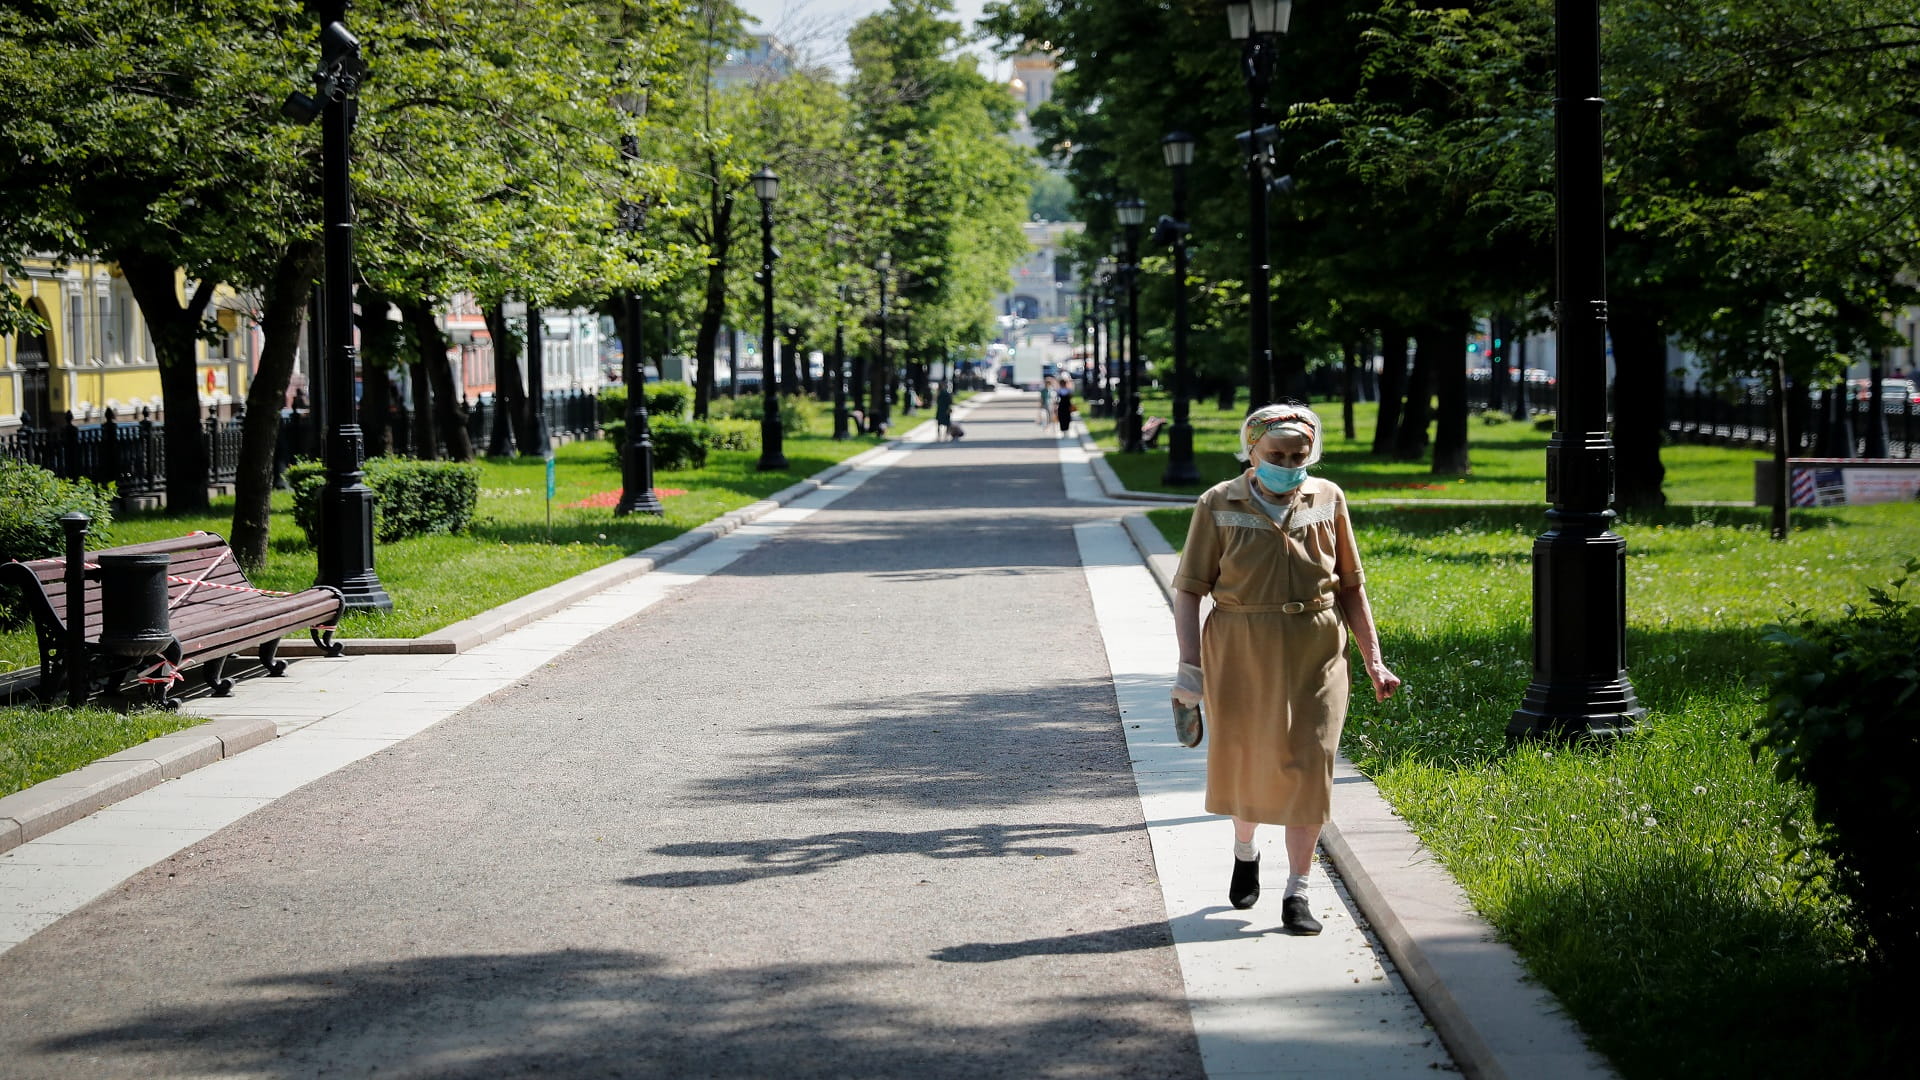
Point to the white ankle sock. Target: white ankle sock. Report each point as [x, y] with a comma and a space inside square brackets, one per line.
[1296, 884]
[1245, 851]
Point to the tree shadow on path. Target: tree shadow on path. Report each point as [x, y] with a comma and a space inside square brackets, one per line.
[579, 1013]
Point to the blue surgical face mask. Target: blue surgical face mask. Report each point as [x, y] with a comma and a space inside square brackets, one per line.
[1278, 478]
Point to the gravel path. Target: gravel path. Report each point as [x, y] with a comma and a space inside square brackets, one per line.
[858, 804]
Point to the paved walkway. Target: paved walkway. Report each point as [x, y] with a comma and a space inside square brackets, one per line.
[876, 786]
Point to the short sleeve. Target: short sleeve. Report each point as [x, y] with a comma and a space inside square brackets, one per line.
[1346, 554]
[1200, 559]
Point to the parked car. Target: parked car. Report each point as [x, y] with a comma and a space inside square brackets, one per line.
[1895, 394]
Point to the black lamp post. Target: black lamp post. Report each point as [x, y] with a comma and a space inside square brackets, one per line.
[840, 368]
[772, 455]
[1086, 338]
[345, 541]
[1131, 212]
[1177, 147]
[1580, 688]
[636, 458]
[877, 414]
[1257, 25]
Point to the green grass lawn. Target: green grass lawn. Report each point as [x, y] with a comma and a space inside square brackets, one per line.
[1650, 887]
[39, 744]
[1508, 459]
[509, 552]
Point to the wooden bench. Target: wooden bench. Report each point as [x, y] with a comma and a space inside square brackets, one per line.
[214, 613]
[1150, 430]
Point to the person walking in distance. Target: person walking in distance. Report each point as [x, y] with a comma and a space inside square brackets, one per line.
[1046, 418]
[1275, 549]
[1063, 405]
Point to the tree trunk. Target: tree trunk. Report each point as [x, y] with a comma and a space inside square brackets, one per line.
[1393, 382]
[510, 394]
[713, 311]
[1449, 373]
[1640, 404]
[174, 329]
[1348, 354]
[283, 303]
[426, 440]
[789, 363]
[1410, 438]
[376, 401]
[1781, 451]
[449, 408]
[1497, 366]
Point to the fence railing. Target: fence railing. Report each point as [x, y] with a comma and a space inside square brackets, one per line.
[133, 456]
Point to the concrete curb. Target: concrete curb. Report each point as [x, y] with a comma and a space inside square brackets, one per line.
[1110, 483]
[63, 800]
[1494, 1019]
[46, 806]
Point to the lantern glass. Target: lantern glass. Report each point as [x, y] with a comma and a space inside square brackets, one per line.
[766, 185]
[1239, 21]
[1178, 149]
[1131, 211]
[1271, 16]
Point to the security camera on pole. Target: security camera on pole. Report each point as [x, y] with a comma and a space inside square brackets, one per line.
[345, 536]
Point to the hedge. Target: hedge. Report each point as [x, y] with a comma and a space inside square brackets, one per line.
[411, 498]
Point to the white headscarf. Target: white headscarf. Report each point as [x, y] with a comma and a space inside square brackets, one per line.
[1282, 420]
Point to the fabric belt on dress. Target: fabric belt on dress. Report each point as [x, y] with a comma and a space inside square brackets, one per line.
[1295, 607]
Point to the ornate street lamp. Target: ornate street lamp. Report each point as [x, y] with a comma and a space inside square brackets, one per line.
[345, 540]
[772, 455]
[1580, 688]
[1177, 148]
[1132, 212]
[1258, 26]
[636, 458]
[877, 413]
[840, 367]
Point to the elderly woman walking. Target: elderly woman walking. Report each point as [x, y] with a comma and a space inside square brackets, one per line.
[1275, 549]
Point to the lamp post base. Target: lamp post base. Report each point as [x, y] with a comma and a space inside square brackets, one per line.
[346, 558]
[636, 475]
[1180, 467]
[1596, 711]
[773, 455]
[1580, 690]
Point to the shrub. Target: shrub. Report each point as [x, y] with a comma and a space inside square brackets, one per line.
[713, 434]
[673, 400]
[799, 415]
[31, 502]
[679, 444]
[1843, 719]
[411, 498]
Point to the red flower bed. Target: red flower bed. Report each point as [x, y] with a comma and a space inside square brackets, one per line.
[607, 500]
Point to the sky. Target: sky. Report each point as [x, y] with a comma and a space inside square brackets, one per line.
[819, 27]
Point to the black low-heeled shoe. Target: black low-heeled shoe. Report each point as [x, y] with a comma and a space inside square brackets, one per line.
[1244, 890]
[1297, 917]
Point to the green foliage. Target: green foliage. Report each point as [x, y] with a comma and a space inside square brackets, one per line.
[799, 415]
[679, 444]
[31, 502]
[673, 400]
[411, 498]
[1843, 719]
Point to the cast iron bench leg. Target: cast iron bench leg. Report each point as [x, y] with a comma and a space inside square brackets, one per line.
[217, 676]
[275, 666]
[323, 639]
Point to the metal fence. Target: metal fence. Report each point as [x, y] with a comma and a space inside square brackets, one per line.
[1738, 415]
[132, 454]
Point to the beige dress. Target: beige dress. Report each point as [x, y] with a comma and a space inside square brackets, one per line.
[1274, 649]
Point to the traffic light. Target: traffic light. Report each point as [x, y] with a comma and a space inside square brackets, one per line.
[1473, 346]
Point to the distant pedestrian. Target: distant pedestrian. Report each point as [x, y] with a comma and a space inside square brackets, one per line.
[1046, 404]
[1275, 549]
[1063, 406]
[943, 412]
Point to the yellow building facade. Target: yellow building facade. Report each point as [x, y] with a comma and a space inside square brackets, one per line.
[94, 352]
